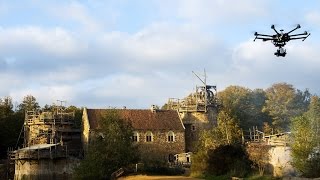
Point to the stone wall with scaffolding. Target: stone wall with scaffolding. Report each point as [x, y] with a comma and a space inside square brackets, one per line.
[198, 111]
[48, 127]
[51, 148]
[279, 150]
[198, 101]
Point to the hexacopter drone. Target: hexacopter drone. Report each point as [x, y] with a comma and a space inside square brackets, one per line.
[280, 39]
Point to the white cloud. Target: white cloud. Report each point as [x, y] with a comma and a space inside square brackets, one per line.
[45, 94]
[55, 41]
[313, 17]
[214, 11]
[254, 65]
[77, 12]
[82, 63]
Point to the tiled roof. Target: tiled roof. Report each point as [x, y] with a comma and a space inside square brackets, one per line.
[141, 119]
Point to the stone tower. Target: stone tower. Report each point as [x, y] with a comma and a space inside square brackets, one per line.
[198, 112]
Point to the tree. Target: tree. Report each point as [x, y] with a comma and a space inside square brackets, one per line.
[305, 145]
[259, 155]
[227, 132]
[235, 99]
[11, 123]
[29, 103]
[228, 159]
[112, 149]
[244, 105]
[283, 103]
[77, 115]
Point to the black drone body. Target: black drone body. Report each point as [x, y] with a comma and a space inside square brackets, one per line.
[279, 40]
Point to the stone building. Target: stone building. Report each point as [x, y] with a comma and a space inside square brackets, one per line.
[158, 133]
[198, 112]
[51, 146]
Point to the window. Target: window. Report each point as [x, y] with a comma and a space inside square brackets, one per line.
[149, 136]
[170, 136]
[135, 137]
[193, 127]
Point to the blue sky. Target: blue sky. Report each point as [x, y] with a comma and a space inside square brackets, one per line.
[137, 53]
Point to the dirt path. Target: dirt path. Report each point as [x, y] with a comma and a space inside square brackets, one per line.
[146, 177]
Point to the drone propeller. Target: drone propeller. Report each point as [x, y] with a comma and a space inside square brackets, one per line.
[306, 36]
[272, 27]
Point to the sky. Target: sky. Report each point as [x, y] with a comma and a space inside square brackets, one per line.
[136, 53]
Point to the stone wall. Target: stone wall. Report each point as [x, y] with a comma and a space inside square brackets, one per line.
[161, 138]
[280, 157]
[160, 149]
[49, 169]
[195, 123]
[85, 130]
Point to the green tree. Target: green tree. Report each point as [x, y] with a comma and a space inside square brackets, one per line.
[29, 103]
[305, 145]
[228, 159]
[11, 123]
[77, 115]
[244, 105]
[227, 132]
[283, 103]
[112, 149]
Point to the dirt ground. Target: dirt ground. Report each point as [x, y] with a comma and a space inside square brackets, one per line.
[146, 177]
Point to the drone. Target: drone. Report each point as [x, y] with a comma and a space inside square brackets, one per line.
[280, 39]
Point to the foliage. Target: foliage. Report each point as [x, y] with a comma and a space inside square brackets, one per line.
[259, 155]
[11, 123]
[112, 149]
[283, 103]
[199, 163]
[267, 129]
[77, 115]
[29, 103]
[305, 145]
[226, 159]
[227, 132]
[244, 105]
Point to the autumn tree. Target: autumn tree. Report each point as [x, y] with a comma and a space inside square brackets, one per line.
[244, 105]
[227, 132]
[283, 103]
[259, 155]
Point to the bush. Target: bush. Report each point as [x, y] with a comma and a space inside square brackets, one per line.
[228, 159]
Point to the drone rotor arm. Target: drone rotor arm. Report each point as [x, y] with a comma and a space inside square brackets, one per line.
[264, 39]
[301, 34]
[303, 38]
[298, 26]
[257, 34]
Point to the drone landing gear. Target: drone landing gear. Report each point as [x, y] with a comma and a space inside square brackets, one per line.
[280, 52]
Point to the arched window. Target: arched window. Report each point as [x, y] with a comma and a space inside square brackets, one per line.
[135, 136]
[149, 136]
[170, 137]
